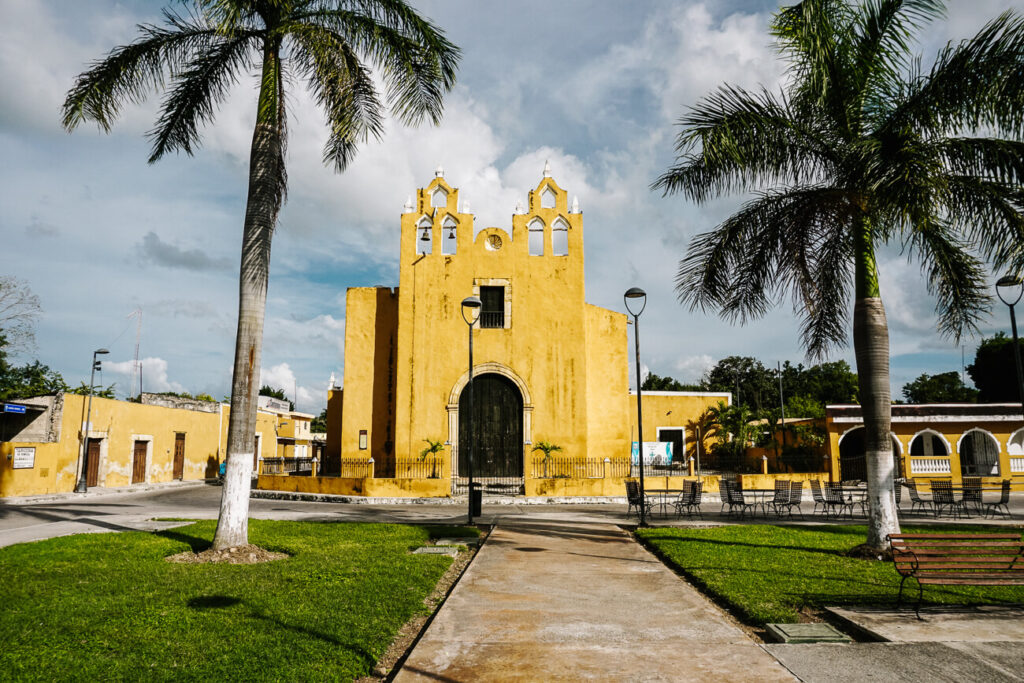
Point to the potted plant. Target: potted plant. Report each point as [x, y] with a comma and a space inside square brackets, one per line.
[432, 449]
[547, 448]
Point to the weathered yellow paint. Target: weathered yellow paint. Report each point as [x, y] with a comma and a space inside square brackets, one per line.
[675, 410]
[118, 424]
[951, 431]
[344, 486]
[406, 349]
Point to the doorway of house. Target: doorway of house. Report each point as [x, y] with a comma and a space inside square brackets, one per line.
[179, 456]
[139, 463]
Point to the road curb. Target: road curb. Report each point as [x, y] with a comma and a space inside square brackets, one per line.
[455, 501]
[100, 492]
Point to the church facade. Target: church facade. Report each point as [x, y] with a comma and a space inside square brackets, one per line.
[547, 366]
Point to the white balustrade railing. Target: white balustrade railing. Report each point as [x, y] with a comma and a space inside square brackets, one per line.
[930, 466]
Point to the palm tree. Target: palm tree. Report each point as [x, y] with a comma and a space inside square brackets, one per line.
[328, 44]
[863, 148]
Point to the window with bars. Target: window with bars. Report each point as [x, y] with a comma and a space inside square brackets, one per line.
[492, 312]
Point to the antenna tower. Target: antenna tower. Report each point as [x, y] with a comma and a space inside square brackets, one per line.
[136, 366]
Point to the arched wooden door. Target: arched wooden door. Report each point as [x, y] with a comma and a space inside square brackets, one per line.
[493, 427]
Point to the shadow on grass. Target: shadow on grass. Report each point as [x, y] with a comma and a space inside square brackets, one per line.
[742, 544]
[196, 544]
[212, 602]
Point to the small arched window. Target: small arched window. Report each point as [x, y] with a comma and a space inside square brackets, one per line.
[536, 230]
[439, 197]
[929, 443]
[1015, 445]
[560, 237]
[424, 236]
[548, 198]
[448, 233]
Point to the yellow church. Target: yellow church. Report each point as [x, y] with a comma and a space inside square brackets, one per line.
[547, 366]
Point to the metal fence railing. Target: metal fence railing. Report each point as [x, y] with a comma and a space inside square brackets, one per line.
[287, 466]
[415, 468]
[566, 467]
[356, 469]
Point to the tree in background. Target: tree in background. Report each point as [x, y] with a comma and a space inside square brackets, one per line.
[946, 387]
[657, 383]
[992, 370]
[319, 423]
[863, 148]
[746, 378]
[196, 57]
[272, 392]
[825, 383]
[19, 310]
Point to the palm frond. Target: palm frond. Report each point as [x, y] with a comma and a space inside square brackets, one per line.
[772, 244]
[734, 141]
[131, 72]
[198, 90]
[990, 216]
[955, 277]
[417, 61]
[883, 33]
[976, 84]
[343, 87]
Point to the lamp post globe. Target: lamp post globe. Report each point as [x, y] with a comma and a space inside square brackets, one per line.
[638, 298]
[83, 484]
[470, 313]
[1010, 289]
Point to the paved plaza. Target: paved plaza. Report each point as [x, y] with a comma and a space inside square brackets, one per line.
[563, 592]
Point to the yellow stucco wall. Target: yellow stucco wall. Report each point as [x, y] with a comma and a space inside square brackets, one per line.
[540, 346]
[371, 329]
[406, 349]
[951, 432]
[674, 410]
[118, 424]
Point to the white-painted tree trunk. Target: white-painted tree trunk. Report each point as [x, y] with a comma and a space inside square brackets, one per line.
[871, 344]
[267, 181]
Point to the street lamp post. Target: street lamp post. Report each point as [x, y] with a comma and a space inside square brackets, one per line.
[82, 486]
[471, 304]
[635, 293]
[1010, 289]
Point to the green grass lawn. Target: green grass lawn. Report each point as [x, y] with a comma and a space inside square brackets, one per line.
[766, 574]
[108, 606]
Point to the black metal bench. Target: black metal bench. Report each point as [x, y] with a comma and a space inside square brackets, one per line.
[957, 559]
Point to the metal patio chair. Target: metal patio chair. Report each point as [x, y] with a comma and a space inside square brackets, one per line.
[916, 501]
[942, 497]
[819, 499]
[1003, 502]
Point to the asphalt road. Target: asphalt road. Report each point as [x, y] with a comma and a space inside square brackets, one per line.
[149, 510]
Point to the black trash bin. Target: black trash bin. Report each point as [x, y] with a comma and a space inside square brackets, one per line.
[476, 498]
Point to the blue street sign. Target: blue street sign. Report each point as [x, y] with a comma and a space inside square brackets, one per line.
[12, 408]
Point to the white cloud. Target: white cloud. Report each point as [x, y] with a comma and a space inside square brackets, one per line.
[154, 375]
[691, 369]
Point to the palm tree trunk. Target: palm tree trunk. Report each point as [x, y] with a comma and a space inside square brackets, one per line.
[266, 194]
[871, 345]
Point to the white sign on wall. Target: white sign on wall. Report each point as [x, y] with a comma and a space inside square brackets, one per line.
[25, 458]
[655, 453]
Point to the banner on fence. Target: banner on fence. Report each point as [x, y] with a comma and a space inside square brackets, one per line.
[655, 453]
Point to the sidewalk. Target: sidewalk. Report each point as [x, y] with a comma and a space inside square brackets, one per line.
[552, 601]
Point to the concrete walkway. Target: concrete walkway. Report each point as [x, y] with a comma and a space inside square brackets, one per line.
[555, 601]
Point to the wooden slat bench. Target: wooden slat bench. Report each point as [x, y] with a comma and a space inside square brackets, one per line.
[957, 559]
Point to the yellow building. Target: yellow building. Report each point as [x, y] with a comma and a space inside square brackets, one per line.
[939, 441]
[548, 366]
[161, 439]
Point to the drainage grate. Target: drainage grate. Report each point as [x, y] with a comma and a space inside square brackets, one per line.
[806, 633]
[437, 550]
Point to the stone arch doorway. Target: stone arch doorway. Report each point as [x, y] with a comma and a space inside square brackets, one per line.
[495, 430]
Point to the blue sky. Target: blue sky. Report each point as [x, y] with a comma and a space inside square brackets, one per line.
[593, 87]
